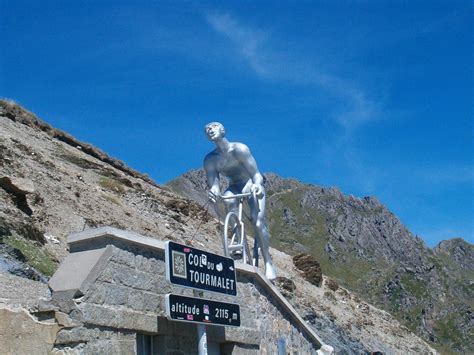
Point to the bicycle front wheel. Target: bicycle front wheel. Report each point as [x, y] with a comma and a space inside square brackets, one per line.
[234, 237]
[232, 231]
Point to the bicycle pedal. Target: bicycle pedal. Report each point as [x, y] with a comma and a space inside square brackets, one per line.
[237, 254]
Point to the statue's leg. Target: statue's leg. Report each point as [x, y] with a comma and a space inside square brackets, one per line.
[230, 204]
[262, 235]
[255, 252]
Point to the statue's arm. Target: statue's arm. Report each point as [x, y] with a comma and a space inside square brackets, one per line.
[212, 176]
[250, 165]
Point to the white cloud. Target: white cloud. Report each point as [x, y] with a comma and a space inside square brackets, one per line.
[249, 41]
[256, 47]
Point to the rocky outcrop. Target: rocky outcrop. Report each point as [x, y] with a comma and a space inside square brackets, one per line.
[457, 251]
[19, 189]
[17, 186]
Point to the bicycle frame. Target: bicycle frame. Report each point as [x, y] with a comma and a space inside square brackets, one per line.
[233, 246]
[241, 201]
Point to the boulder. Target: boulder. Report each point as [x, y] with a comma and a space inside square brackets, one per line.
[17, 186]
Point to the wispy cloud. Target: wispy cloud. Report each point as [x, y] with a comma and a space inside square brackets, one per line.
[256, 47]
[249, 42]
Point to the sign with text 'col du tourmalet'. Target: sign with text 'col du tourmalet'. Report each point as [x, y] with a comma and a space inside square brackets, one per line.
[199, 269]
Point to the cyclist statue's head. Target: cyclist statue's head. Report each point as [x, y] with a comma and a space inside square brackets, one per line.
[214, 131]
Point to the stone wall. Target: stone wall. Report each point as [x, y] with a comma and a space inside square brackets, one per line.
[90, 339]
[123, 295]
[21, 333]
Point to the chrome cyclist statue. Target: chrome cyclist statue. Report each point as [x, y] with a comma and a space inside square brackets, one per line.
[234, 161]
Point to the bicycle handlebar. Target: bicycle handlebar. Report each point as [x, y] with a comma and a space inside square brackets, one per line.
[236, 196]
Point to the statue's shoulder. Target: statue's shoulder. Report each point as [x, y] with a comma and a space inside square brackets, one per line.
[240, 148]
[211, 157]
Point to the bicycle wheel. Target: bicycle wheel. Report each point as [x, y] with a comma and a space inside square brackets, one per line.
[234, 237]
[232, 231]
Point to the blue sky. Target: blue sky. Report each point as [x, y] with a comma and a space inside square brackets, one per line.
[375, 97]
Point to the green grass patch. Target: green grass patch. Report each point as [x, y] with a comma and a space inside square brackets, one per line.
[110, 184]
[444, 349]
[412, 318]
[414, 286]
[448, 332]
[80, 162]
[34, 255]
[112, 199]
[311, 231]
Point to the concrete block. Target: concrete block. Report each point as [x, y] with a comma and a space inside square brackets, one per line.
[146, 281]
[64, 320]
[74, 336]
[106, 275]
[117, 295]
[156, 266]
[120, 318]
[136, 300]
[152, 304]
[123, 257]
[160, 285]
[93, 236]
[96, 293]
[78, 271]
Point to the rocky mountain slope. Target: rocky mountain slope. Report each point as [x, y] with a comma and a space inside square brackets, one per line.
[52, 185]
[365, 247]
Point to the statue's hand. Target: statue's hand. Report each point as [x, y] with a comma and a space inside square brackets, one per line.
[257, 190]
[213, 194]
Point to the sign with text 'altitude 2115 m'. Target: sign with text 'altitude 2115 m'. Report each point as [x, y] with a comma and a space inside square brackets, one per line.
[199, 269]
[197, 310]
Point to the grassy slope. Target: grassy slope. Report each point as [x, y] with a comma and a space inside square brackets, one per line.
[309, 231]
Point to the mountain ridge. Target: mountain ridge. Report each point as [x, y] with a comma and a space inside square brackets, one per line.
[276, 177]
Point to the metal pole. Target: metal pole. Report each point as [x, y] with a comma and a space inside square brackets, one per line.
[202, 339]
[201, 331]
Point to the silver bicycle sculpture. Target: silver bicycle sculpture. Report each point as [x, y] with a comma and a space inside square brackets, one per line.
[234, 238]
